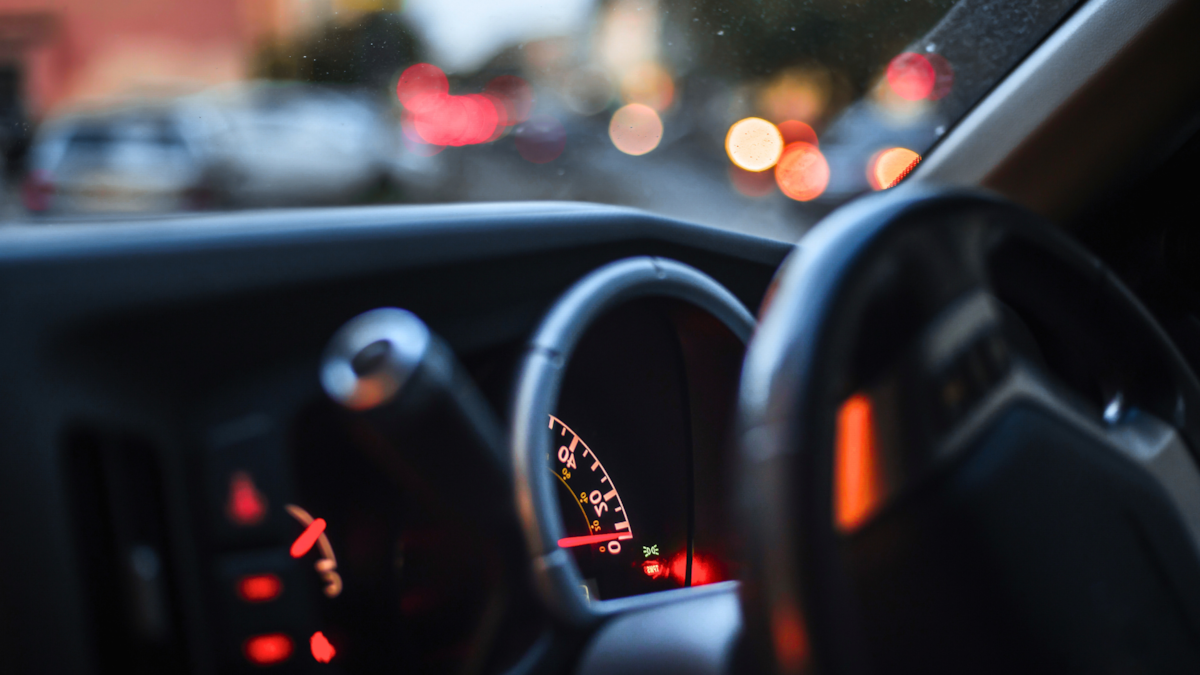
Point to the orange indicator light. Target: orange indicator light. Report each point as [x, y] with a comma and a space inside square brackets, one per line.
[308, 537]
[802, 172]
[322, 650]
[268, 650]
[259, 587]
[856, 479]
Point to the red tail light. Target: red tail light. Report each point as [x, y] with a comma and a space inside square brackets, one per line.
[37, 190]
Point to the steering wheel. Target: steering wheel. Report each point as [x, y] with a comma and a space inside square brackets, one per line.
[965, 447]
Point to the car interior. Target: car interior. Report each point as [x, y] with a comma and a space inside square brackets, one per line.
[951, 426]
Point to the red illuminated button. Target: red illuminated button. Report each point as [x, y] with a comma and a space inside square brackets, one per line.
[246, 506]
[654, 569]
[259, 587]
[268, 650]
[321, 649]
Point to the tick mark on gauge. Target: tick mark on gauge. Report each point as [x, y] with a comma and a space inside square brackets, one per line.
[611, 493]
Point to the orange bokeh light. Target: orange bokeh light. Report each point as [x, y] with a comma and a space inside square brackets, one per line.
[635, 129]
[802, 172]
[857, 490]
[649, 84]
[754, 144]
[795, 131]
[799, 93]
[911, 76]
[888, 167]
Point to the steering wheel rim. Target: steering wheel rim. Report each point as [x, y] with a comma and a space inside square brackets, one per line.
[956, 252]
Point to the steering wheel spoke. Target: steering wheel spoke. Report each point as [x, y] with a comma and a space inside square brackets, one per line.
[932, 479]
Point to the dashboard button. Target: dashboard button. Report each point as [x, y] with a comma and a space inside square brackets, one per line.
[247, 492]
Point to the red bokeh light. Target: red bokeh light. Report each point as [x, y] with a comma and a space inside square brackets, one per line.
[322, 650]
[420, 81]
[503, 122]
[440, 118]
[911, 76]
[802, 172]
[515, 94]
[678, 567]
[246, 505]
[795, 131]
[944, 80]
[268, 650]
[706, 570]
[259, 587]
[540, 139]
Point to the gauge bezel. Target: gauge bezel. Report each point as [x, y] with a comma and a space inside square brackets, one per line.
[539, 383]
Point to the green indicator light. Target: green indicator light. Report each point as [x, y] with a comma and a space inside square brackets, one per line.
[650, 550]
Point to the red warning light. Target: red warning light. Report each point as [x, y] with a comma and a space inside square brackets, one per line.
[308, 538]
[268, 650]
[246, 505]
[321, 649]
[259, 587]
[654, 569]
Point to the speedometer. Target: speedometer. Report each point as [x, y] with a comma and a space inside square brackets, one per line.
[603, 525]
[618, 418]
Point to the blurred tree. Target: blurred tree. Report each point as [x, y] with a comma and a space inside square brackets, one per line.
[747, 39]
[367, 51]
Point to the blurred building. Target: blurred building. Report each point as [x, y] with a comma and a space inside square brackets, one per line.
[59, 53]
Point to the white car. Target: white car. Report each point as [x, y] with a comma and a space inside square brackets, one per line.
[145, 158]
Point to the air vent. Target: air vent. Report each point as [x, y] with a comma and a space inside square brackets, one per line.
[123, 553]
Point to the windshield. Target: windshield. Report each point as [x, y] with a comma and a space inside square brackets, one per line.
[754, 115]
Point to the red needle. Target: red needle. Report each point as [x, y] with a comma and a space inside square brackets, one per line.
[308, 537]
[568, 542]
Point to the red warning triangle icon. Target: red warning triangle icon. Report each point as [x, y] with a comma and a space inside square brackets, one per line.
[246, 506]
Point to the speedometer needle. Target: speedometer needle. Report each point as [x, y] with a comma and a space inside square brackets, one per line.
[568, 542]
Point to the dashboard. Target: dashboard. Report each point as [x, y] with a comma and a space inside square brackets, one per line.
[201, 505]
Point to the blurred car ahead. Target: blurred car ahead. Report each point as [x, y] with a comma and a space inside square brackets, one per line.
[134, 159]
[292, 144]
